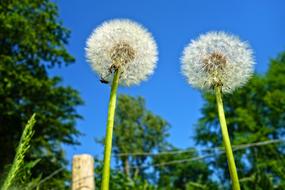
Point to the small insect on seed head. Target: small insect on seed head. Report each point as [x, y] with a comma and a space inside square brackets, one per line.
[123, 44]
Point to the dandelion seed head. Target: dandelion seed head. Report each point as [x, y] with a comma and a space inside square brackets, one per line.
[124, 44]
[217, 59]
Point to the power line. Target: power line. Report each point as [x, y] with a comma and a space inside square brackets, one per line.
[262, 143]
[48, 177]
[193, 150]
[153, 154]
[236, 148]
[183, 160]
[220, 149]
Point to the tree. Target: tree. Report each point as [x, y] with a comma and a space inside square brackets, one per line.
[32, 40]
[254, 113]
[137, 130]
[120, 181]
[139, 138]
[183, 170]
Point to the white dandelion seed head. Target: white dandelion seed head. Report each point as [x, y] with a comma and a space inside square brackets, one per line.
[124, 44]
[217, 59]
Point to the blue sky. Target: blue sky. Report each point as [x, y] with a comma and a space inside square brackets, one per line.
[173, 24]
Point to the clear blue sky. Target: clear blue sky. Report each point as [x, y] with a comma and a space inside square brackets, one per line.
[173, 24]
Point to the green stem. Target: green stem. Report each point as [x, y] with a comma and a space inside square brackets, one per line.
[226, 139]
[109, 132]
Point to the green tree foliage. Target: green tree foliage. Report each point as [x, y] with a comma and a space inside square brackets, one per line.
[120, 181]
[136, 130]
[254, 113]
[183, 170]
[32, 40]
[139, 137]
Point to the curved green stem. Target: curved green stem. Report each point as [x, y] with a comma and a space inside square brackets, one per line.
[109, 132]
[226, 139]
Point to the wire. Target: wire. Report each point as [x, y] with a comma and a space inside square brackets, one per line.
[236, 148]
[220, 149]
[262, 143]
[153, 154]
[193, 150]
[48, 177]
[175, 161]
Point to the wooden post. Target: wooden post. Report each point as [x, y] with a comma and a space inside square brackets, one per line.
[83, 172]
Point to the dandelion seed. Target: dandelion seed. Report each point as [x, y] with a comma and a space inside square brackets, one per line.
[123, 44]
[121, 52]
[220, 62]
[217, 59]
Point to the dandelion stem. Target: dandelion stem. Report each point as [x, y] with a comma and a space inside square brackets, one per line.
[226, 139]
[109, 132]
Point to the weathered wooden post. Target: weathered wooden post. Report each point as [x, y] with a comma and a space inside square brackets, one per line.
[83, 172]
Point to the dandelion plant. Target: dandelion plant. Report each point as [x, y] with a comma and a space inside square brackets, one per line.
[221, 63]
[121, 52]
[22, 148]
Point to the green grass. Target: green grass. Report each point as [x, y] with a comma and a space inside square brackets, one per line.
[21, 150]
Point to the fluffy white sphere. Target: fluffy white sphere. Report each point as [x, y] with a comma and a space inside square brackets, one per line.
[123, 44]
[217, 58]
